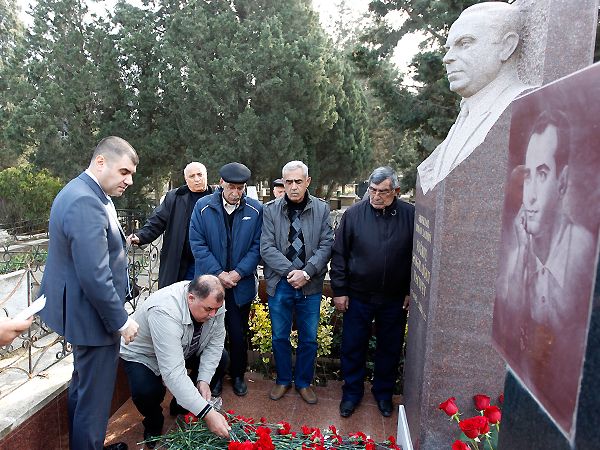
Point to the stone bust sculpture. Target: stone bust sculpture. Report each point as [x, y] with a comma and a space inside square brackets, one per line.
[481, 62]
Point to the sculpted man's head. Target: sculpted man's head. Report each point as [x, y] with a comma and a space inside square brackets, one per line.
[482, 46]
[113, 163]
[205, 296]
[546, 172]
[195, 176]
[383, 187]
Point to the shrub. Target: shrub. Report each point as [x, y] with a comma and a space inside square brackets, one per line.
[26, 193]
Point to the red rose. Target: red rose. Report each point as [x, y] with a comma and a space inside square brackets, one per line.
[459, 445]
[475, 426]
[449, 407]
[493, 414]
[501, 398]
[481, 402]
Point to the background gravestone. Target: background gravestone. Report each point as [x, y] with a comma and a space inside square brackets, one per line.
[457, 233]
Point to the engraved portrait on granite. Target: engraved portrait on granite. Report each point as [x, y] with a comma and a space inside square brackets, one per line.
[548, 247]
[481, 61]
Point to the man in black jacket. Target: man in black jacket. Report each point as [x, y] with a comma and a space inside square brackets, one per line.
[370, 277]
[172, 217]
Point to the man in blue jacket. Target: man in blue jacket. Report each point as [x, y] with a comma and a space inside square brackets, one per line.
[225, 240]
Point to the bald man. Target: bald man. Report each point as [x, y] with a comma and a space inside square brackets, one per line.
[172, 217]
[482, 53]
[85, 283]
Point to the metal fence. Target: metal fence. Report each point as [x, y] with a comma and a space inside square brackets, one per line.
[23, 251]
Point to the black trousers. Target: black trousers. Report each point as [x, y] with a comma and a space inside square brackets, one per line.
[236, 324]
[390, 321]
[148, 390]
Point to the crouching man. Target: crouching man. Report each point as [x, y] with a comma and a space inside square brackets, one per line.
[181, 327]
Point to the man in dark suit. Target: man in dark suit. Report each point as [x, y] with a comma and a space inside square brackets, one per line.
[85, 283]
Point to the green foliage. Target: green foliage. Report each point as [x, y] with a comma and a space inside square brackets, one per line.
[260, 325]
[26, 193]
[22, 260]
[257, 82]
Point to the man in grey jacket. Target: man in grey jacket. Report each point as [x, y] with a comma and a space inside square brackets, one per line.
[295, 246]
[179, 323]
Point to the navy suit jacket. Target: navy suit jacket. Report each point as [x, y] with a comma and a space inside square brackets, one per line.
[85, 279]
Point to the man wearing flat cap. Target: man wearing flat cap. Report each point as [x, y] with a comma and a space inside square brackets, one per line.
[278, 188]
[225, 240]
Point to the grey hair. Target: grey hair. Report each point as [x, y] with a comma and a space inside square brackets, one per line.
[381, 174]
[293, 165]
[193, 162]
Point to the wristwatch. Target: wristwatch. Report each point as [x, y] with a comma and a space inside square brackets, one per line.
[306, 276]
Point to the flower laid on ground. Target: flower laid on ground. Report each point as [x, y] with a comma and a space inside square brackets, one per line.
[477, 428]
[245, 434]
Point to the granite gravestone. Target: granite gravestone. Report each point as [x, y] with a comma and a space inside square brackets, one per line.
[547, 268]
[458, 222]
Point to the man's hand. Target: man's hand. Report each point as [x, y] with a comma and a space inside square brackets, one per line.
[296, 279]
[406, 302]
[204, 390]
[217, 423]
[228, 279]
[10, 329]
[235, 277]
[341, 303]
[132, 238]
[130, 332]
[521, 227]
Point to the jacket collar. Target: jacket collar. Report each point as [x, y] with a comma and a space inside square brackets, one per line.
[182, 190]
[284, 206]
[95, 187]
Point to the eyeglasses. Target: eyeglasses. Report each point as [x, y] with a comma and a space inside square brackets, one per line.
[381, 192]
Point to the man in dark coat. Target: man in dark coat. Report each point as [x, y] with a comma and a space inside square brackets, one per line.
[172, 217]
[370, 278]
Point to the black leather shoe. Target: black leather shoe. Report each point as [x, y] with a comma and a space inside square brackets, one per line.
[239, 386]
[347, 408]
[117, 446]
[175, 409]
[386, 408]
[218, 389]
[148, 436]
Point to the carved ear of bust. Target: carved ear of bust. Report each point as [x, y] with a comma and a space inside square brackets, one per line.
[509, 44]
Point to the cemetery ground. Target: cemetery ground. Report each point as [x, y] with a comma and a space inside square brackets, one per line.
[125, 425]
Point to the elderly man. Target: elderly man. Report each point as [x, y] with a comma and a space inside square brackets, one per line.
[481, 61]
[278, 188]
[295, 246]
[180, 323]
[85, 283]
[172, 217]
[225, 240]
[370, 277]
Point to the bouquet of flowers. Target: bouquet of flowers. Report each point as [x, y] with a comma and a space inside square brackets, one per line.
[477, 428]
[245, 434]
